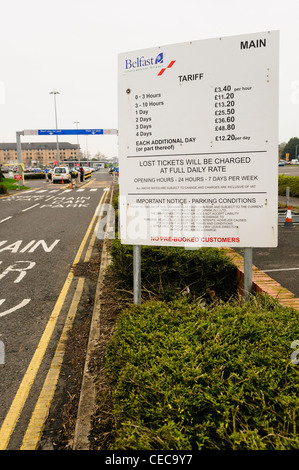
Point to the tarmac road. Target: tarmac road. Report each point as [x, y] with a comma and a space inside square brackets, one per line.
[42, 233]
[289, 170]
[281, 263]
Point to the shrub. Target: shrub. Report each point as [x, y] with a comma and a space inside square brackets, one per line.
[3, 188]
[35, 176]
[189, 376]
[288, 181]
[167, 272]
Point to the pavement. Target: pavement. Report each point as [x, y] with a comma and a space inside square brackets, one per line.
[276, 270]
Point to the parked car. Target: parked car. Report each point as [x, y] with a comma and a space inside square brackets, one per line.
[37, 170]
[61, 173]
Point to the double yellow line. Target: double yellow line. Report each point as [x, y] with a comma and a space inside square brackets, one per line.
[40, 413]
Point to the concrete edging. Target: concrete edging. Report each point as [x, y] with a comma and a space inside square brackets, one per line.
[88, 388]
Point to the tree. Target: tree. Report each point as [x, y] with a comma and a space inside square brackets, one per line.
[292, 148]
[100, 156]
[281, 151]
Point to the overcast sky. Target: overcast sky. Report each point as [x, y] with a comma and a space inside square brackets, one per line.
[73, 46]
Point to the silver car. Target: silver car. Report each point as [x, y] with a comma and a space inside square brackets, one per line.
[61, 174]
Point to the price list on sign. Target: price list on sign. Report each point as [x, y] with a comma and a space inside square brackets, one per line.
[198, 143]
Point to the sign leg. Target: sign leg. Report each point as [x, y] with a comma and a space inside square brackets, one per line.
[137, 273]
[247, 273]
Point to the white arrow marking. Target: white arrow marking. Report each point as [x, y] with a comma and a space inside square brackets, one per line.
[13, 309]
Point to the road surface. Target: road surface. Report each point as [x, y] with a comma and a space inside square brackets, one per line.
[43, 232]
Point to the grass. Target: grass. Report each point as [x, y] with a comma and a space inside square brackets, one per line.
[11, 184]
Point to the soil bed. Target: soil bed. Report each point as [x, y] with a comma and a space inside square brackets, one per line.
[60, 426]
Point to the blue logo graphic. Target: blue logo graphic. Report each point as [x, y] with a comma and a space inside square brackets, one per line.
[159, 59]
[142, 62]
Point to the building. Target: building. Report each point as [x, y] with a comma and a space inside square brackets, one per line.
[38, 154]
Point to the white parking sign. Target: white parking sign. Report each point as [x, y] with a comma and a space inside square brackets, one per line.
[198, 143]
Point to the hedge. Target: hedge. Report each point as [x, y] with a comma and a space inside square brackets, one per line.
[3, 188]
[288, 181]
[167, 272]
[34, 176]
[198, 377]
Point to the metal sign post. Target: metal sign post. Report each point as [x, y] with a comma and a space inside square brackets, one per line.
[137, 273]
[247, 273]
[20, 175]
[19, 153]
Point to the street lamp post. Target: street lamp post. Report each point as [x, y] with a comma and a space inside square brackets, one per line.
[54, 92]
[77, 122]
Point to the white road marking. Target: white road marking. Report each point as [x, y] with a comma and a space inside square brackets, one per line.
[275, 270]
[7, 218]
[13, 309]
[28, 208]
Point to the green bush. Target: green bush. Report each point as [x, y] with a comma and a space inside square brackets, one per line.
[3, 188]
[288, 181]
[167, 272]
[35, 176]
[192, 376]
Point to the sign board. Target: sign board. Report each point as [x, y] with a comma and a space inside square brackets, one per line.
[198, 143]
[70, 131]
[18, 177]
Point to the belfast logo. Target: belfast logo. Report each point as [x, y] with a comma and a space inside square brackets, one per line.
[142, 62]
[168, 67]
